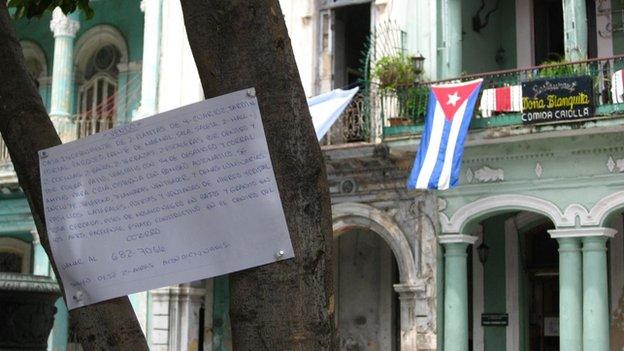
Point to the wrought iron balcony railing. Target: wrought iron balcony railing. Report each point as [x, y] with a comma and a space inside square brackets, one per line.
[402, 110]
[353, 125]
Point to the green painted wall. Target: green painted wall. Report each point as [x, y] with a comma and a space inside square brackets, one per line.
[127, 18]
[38, 31]
[480, 48]
[494, 281]
[574, 169]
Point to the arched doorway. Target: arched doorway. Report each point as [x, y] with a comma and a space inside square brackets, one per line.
[514, 284]
[349, 217]
[366, 303]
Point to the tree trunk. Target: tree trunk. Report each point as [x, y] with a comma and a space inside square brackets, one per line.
[26, 129]
[288, 305]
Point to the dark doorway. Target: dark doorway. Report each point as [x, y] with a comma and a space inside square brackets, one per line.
[366, 303]
[548, 30]
[592, 40]
[542, 265]
[351, 30]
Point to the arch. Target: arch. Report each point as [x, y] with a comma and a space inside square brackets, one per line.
[33, 52]
[94, 39]
[503, 203]
[604, 208]
[347, 216]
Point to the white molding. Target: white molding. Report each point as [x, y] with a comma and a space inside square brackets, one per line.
[486, 174]
[490, 204]
[132, 66]
[457, 238]
[604, 207]
[582, 232]
[346, 216]
[63, 26]
[478, 297]
[94, 39]
[512, 275]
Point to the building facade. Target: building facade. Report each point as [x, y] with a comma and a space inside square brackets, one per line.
[526, 254]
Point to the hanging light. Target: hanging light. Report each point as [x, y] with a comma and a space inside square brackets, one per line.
[418, 63]
[483, 251]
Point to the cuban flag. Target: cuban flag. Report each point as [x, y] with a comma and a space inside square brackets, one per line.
[449, 111]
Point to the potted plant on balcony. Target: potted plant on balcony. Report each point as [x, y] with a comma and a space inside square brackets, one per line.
[395, 75]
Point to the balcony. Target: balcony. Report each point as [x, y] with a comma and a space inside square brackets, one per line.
[401, 111]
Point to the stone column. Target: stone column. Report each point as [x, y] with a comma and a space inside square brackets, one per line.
[570, 290]
[184, 305]
[575, 30]
[62, 94]
[456, 291]
[591, 321]
[407, 307]
[151, 57]
[452, 36]
[595, 290]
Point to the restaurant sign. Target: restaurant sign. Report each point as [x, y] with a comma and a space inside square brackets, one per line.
[556, 99]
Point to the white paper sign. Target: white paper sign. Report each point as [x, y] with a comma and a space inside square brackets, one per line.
[184, 195]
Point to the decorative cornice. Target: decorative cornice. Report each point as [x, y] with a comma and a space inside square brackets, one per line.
[582, 232]
[457, 238]
[411, 291]
[486, 174]
[28, 283]
[63, 26]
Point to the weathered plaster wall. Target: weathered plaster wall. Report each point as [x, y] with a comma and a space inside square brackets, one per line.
[300, 17]
[365, 294]
[371, 175]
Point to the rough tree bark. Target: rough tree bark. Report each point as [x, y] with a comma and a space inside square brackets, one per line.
[239, 44]
[26, 129]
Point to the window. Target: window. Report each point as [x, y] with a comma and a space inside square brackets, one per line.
[14, 255]
[97, 95]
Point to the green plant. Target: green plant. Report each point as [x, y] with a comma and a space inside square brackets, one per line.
[413, 101]
[393, 72]
[557, 69]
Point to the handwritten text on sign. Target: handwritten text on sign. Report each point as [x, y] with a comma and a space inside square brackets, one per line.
[184, 195]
